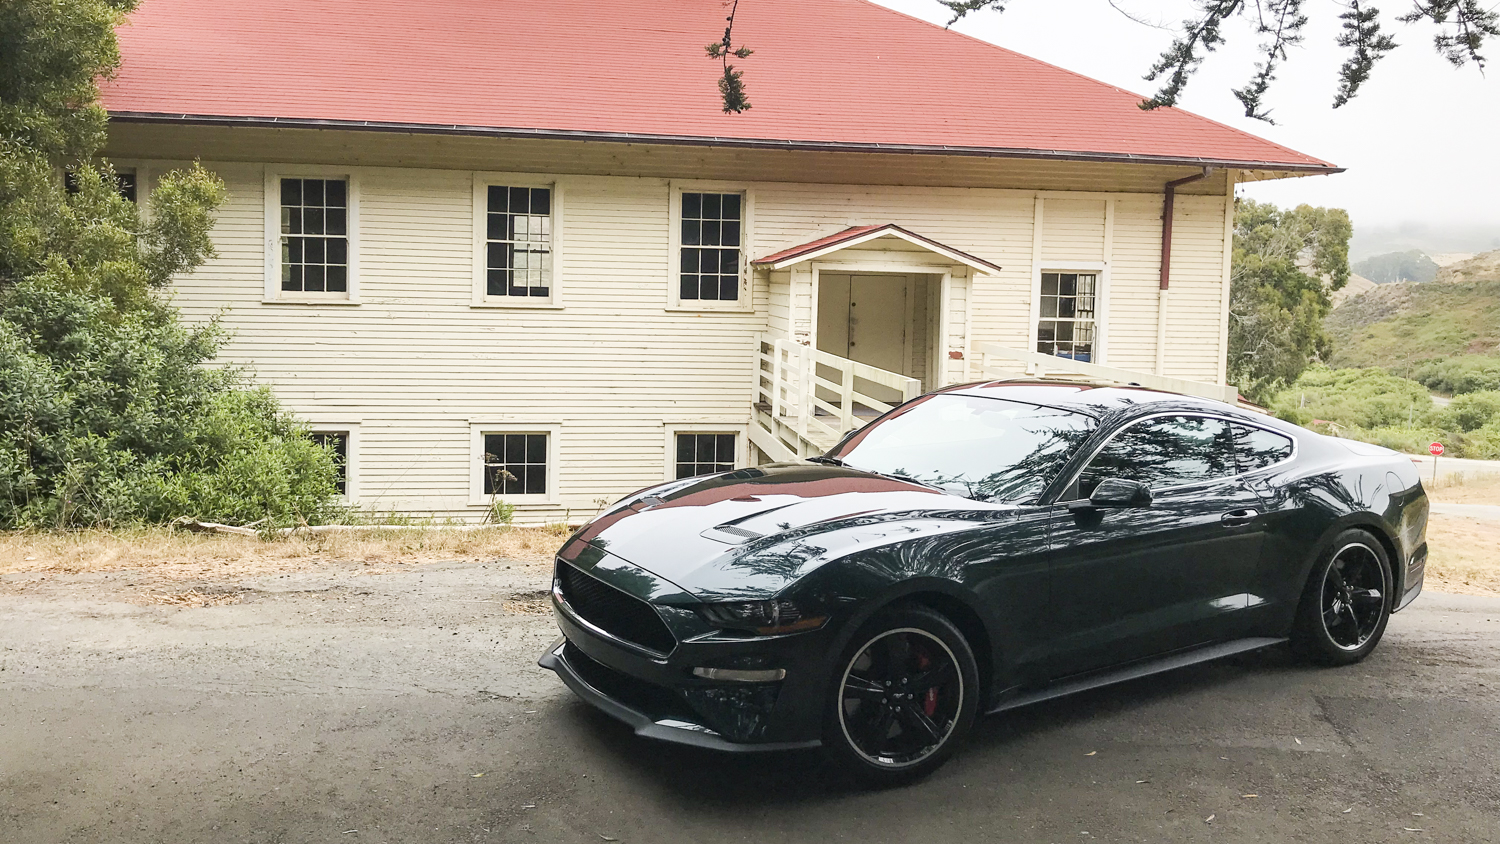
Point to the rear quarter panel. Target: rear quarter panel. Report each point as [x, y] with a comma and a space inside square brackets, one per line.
[1325, 491]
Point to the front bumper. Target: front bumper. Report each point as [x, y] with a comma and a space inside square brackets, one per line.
[576, 669]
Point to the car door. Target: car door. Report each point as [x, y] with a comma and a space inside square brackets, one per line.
[1129, 583]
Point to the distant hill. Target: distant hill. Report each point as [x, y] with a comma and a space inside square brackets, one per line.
[1477, 268]
[1403, 325]
[1356, 285]
[1391, 267]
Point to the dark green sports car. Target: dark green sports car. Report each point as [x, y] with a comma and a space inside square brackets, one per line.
[977, 549]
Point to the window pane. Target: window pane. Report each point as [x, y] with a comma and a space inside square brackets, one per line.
[335, 193]
[312, 250]
[689, 288]
[338, 250]
[1170, 451]
[291, 221]
[729, 288]
[291, 191]
[692, 205]
[337, 279]
[336, 442]
[1049, 284]
[731, 233]
[312, 191]
[1256, 448]
[312, 278]
[731, 210]
[712, 203]
[520, 201]
[334, 221]
[312, 220]
[541, 201]
[692, 232]
[291, 277]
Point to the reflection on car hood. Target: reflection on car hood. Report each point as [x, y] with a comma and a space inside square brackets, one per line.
[753, 531]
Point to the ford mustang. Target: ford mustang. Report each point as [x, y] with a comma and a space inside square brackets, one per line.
[977, 549]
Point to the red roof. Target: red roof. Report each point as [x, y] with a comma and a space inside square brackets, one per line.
[842, 74]
[861, 234]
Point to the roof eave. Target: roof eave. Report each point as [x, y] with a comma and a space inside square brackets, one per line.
[1289, 168]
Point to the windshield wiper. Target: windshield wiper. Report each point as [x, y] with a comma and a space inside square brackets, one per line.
[828, 461]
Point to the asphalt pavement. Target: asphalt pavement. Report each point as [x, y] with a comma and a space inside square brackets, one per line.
[341, 707]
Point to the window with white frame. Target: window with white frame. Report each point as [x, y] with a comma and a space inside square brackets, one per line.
[518, 242]
[710, 260]
[704, 454]
[515, 463]
[1066, 328]
[314, 235]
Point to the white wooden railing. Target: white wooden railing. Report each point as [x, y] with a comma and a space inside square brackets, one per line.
[992, 360]
[805, 400]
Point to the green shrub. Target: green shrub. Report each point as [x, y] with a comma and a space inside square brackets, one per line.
[1462, 374]
[1482, 443]
[1356, 398]
[111, 417]
[1470, 412]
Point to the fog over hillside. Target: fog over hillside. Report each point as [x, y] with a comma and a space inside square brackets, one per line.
[1432, 238]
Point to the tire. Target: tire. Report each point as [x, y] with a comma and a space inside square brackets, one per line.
[903, 695]
[1346, 602]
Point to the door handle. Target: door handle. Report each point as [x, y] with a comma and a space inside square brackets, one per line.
[1240, 517]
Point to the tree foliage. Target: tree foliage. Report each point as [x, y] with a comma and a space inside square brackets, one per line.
[109, 413]
[1411, 265]
[1463, 29]
[1285, 264]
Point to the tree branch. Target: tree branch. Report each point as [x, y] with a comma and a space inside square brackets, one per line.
[1471, 24]
[1183, 57]
[1362, 33]
[732, 83]
[1286, 32]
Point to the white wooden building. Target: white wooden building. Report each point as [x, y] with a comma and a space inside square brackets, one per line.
[450, 280]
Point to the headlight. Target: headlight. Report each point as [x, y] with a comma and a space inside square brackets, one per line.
[763, 617]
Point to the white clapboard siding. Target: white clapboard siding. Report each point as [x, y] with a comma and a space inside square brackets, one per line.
[416, 366]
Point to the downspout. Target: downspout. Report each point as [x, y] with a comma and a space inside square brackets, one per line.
[1168, 205]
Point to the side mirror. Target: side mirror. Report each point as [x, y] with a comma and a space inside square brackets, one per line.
[1116, 493]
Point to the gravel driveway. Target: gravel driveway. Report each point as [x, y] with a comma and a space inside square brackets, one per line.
[405, 707]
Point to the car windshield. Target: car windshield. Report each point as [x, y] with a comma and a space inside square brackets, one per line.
[982, 448]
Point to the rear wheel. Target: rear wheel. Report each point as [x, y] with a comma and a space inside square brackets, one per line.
[1346, 603]
[904, 694]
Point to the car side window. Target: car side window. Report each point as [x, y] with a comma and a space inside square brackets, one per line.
[1257, 448]
[1164, 452]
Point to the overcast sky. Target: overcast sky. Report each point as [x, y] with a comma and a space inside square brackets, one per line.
[1421, 141]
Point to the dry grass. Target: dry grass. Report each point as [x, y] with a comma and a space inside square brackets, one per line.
[190, 598]
[1463, 556]
[1460, 488]
[190, 555]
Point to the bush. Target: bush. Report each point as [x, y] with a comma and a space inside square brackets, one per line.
[1357, 398]
[1471, 411]
[1373, 406]
[110, 417]
[1462, 374]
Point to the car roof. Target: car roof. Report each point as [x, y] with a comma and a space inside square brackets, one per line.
[1096, 400]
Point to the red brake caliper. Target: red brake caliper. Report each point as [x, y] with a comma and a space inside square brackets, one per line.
[929, 700]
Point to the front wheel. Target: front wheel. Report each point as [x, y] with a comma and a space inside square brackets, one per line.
[1346, 603]
[903, 695]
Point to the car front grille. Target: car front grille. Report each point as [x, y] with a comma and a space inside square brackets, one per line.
[613, 611]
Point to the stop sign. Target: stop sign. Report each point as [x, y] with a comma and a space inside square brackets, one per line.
[1436, 449]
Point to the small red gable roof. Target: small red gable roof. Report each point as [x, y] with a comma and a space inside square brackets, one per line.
[863, 234]
[826, 74]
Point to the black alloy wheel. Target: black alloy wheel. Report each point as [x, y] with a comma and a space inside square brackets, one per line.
[1347, 602]
[905, 692]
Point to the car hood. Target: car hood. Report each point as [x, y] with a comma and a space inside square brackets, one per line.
[751, 532]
